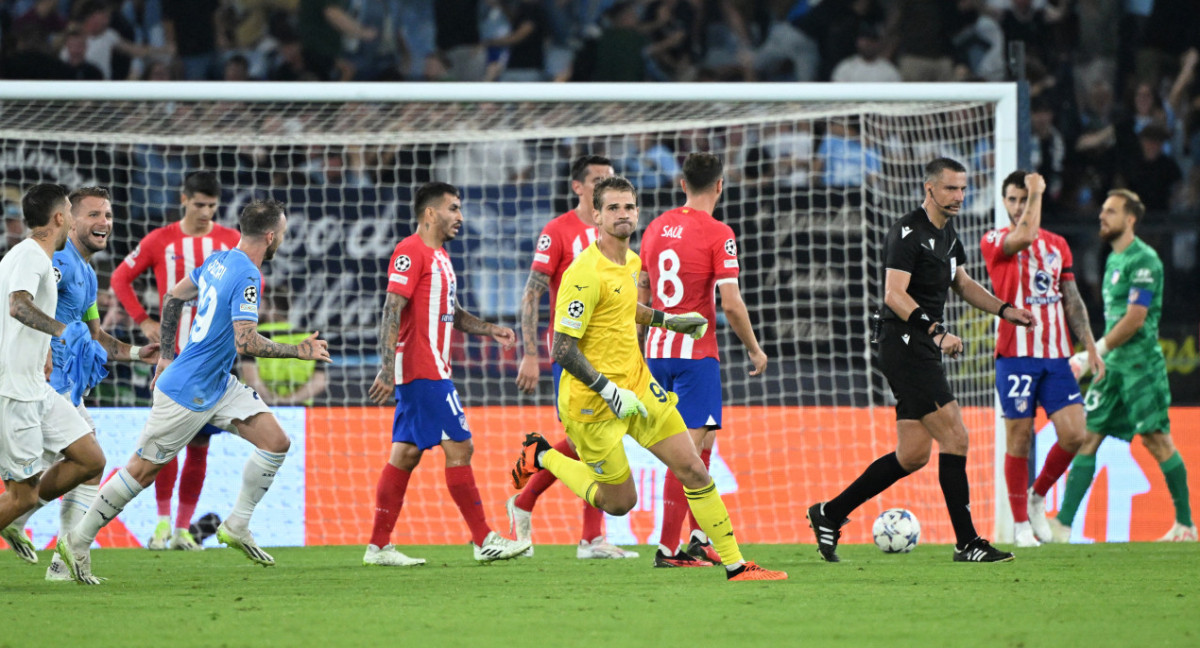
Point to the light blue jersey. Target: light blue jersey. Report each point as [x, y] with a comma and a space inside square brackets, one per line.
[229, 284]
[76, 303]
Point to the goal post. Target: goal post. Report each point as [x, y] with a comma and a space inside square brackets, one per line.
[815, 173]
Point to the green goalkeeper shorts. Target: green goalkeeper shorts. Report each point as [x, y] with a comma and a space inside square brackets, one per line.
[1132, 399]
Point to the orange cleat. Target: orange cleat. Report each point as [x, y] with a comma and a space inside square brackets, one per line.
[752, 572]
[527, 463]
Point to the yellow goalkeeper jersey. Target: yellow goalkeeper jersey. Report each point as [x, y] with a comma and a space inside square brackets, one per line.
[597, 305]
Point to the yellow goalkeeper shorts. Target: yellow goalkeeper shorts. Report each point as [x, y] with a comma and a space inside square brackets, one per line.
[599, 443]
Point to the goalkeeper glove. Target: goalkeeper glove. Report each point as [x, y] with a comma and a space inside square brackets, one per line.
[692, 324]
[1079, 362]
[623, 402]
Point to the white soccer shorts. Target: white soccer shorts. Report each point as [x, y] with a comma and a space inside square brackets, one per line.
[31, 429]
[171, 425]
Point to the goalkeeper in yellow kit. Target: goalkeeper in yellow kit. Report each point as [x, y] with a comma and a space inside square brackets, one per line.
[607, 390]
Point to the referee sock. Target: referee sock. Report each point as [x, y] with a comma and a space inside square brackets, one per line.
[881, 474]
[1176, 474]
[114, 495]
[952, 475]
[1056, 464]
[1079, 480]
[257, 477]
[714, 520]
[1016, 477]
[572, 472]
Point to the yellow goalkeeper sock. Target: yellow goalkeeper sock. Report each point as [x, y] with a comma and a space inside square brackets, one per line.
[710, 514]
[575, 474]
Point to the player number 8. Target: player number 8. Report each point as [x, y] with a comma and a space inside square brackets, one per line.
[668, 274]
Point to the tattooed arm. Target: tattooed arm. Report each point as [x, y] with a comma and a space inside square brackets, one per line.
[389, 331]
[567, 354]
[528, 370]
[468, 323]
[22, 309]
[644, 299]
[1077, 315]
[172, 309]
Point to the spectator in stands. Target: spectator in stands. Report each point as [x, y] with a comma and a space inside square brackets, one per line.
[42, 18]
[1096, 51]
[1096, 146]
[1022, 22]
[14, 223]
[191, 27]
[834, 25]
[237, 68]
[1152, 175]
[788, 148]
[526, 42]
[651, 165]
[1049, 149]
[80, 69]
[621, 47]
[979, 44]
[30, 58]
[671, 25]
[282, 381]
[727, 51]
[94, 20]
[458, 40]
[322, 26]
[1173, 27]
[785, 43]
[868, 65]
[922, 32]
[289, 61]
[1146, 108]
[842, 161]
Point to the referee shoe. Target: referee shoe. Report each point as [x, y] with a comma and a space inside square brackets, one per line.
[827, 531]
[980, 550]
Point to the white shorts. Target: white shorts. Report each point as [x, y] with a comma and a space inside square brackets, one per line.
[171, 425]
[29, 429]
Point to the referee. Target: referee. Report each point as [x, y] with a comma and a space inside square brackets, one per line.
[924, 257]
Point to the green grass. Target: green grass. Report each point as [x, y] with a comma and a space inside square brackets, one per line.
[1099, 595]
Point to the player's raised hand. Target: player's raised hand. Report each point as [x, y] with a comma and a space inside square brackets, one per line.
[528, 373]
[1035, 183]
[692, 324]
[504, 335]
[382, 389]
[759, 360]
[1019, 317]
[149, 353]
[313, 349]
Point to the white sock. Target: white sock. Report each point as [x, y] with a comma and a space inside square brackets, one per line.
[666, 552]
[23, 519]
[74, 506]
[699, 536]
[109, 502]
[257, 477]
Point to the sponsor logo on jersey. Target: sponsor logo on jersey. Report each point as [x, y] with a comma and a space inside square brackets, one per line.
[570, 323]
[250, 294]
[248, 308]
[57, 275]
[543, 243]
[905, 231]
[131, 260]
[993, 236]
[1116, 276]
[1049, 299]
[598, 466]
[1143, 275]
[398, 278]
[541, 258]
[731, 263]
[1042, 281]
[1051, 257]
[674, 231]
[576, 309]
[730, 247]
[403, 263]
[447, 318]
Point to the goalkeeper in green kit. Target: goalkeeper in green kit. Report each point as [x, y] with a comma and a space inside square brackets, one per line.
[1133, 398]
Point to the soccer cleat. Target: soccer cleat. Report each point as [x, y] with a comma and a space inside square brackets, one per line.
[752, 572]
[980, 550]
[245, 542]
[1023, 535]
[520, 524]
[1037, 517]
[703, 551]
[680, 559]
[1059, 532]
[1180, 533]
[389, 557]
[161, 540]
[497, 547]
[58, 572]
[601, 549]
[20, 543]
[827, 532]
[183, 541]
[77, 560]
[527, 464]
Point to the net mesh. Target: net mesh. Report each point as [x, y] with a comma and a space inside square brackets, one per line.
[811, 189]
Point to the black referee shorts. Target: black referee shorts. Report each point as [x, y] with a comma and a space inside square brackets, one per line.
[912, 364]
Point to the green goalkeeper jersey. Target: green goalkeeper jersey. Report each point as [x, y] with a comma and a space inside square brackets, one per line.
[1134, 276]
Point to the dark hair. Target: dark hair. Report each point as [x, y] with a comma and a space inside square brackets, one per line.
[934, 169]
[239, 60]
[89, 192]
[580, 165]
[1016, 179]
[90, 7]
[1133, 203]
[614, 183]
[702, 170]
[40, 203]
[260, 217]
[429, 193]
[204, 182]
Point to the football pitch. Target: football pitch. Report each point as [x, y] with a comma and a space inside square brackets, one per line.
[1055, 595]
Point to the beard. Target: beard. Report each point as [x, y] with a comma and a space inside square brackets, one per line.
[1109, 235]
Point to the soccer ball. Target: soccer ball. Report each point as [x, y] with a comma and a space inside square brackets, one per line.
[896, 531]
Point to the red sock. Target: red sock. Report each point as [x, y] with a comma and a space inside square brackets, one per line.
[1056, 464]
[164, 486]
[389, 499]
[191, 480]
[593, 522]
[675, 508]
[706, 457]
[461, 482]
[1016, 475]
[542, 480]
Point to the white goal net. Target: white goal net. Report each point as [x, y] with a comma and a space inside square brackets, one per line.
[814, 177]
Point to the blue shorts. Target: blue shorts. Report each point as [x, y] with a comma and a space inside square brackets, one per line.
[427, 413]
[1025, 383]
[697, 383]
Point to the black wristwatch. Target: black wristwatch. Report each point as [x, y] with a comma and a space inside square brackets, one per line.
[939, 329]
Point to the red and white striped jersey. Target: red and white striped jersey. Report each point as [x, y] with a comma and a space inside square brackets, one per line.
[172, 255]
[561, 240]
[1031, 279]
[425, 277]
[687, 253]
